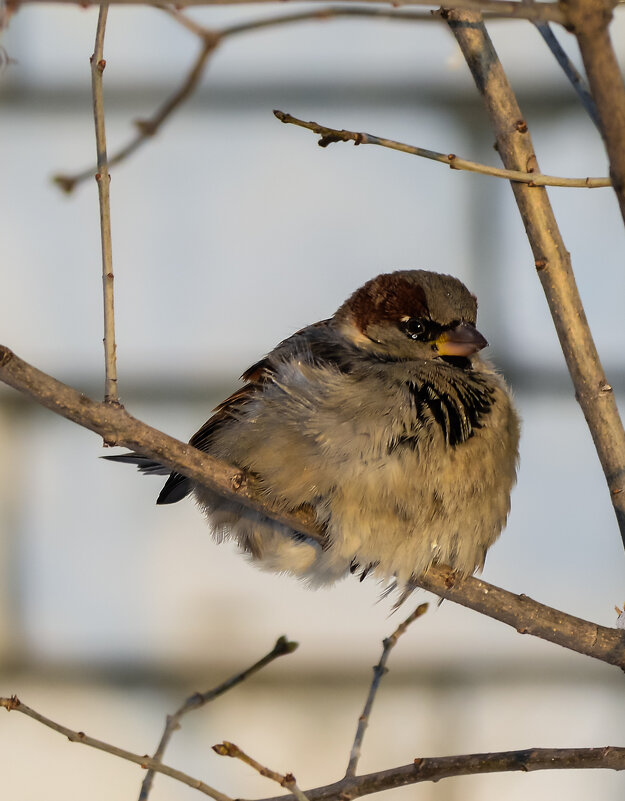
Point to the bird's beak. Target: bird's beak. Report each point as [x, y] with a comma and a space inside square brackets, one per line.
[462, 340]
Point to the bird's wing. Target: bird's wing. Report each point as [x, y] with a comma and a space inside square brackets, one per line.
[308, 343]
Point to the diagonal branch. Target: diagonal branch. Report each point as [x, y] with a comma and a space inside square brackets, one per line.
[118, 427]
[552, 260]
[568, 68]
[331, 135]
[198, 700]
[13, 704]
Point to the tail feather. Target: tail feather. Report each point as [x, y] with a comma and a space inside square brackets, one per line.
[145, 465]
[176, 487]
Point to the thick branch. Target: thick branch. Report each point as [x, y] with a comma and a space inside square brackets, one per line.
[435, 768]
[331, 135]
[552, 260]
[117, 427]
[589, 20]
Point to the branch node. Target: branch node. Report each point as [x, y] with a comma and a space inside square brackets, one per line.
[224, 749]
[541, 264]
[284, 646]
[146, 127]
[238, 480]
[11, 703]
[330, 138]
[521, 126]
[6, 354]
[65, 183]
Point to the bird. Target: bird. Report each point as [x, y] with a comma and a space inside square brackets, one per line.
[386, 421]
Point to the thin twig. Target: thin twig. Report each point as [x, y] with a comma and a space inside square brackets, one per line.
[553, 262]
[103, 180]
[197, 700]
[288, 780]
[117, 426]
[575, 78]
[14, 704]
[378, 672]
[331, 135]
[548, 11]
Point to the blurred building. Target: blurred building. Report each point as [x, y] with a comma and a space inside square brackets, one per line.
[230, 231]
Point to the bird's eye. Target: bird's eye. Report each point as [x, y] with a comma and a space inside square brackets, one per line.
[414, 327]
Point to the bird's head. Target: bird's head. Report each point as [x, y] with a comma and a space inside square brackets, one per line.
[412, 314]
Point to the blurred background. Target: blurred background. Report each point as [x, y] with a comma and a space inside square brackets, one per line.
[230, 231]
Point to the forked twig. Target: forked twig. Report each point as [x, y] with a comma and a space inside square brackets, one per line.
[282, 647]
[378, 671]
[148, 128]
[211, 38]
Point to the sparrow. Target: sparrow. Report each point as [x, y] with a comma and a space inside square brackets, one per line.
[386, 421]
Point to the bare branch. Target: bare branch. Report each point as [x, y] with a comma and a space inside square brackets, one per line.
[552, 260]
[14, 704]
[282, 647]
[589, 20]
[103, 180]
[331, 135]
[436, 768]
[119, 427]
[547, 11]
[288, 781]
[378, 672]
